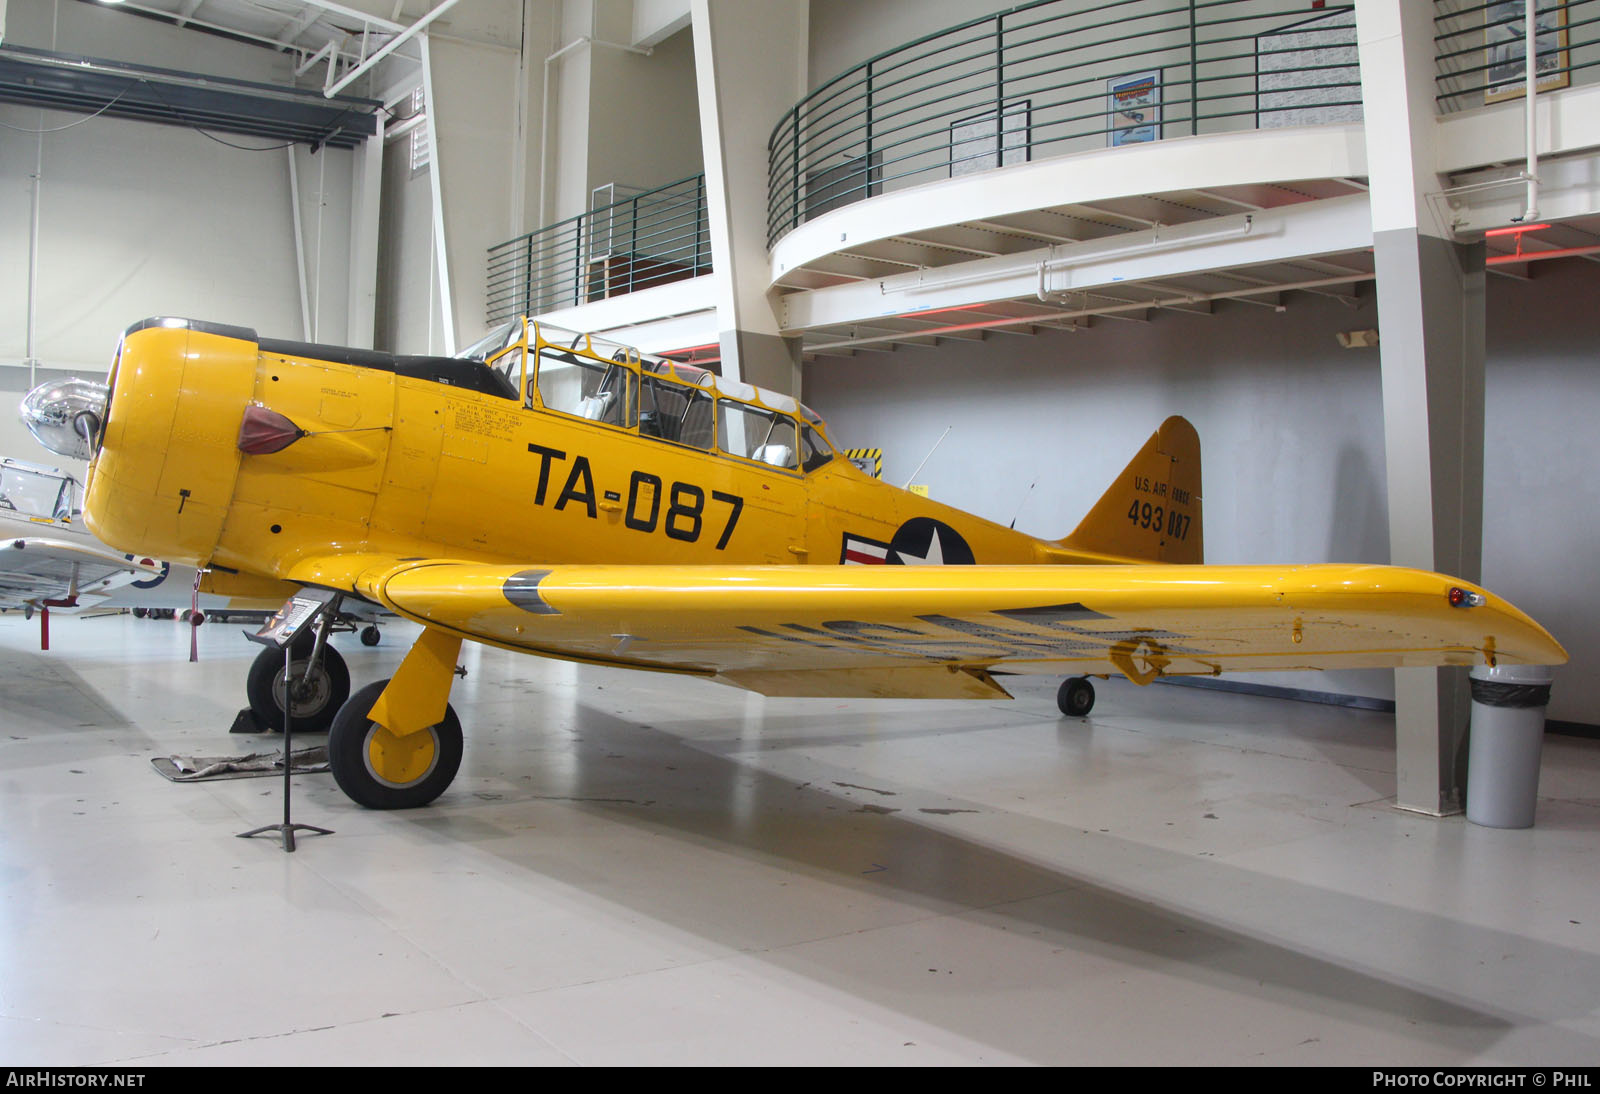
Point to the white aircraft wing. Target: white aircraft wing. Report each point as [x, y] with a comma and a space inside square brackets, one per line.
[33, 570]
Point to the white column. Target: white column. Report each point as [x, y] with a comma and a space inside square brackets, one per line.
[1431, 318]
[750, 69]
[366, 196]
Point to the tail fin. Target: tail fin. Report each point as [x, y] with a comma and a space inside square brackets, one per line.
[1152, 511]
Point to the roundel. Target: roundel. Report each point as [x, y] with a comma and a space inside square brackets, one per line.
[152, 582]
[923, 541]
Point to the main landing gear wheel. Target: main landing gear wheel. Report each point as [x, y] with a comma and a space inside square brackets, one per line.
[380, 770]
[316, 699]
[1076, 697]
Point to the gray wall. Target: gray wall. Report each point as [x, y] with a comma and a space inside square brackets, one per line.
[1291, 429]
[408, 316]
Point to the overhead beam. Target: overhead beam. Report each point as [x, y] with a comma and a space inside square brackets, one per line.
[1023, 224]
[394, 43]
[298, 27]
[356, 13]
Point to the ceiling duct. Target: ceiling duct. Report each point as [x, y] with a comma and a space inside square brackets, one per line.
[216, 104]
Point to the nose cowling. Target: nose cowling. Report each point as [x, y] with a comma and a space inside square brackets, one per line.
[67, 416]
[163, 476]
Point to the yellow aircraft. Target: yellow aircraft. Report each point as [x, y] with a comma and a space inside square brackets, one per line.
[559, 496]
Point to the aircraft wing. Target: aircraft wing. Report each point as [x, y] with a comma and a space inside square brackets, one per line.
[939, 631]
[33, 570]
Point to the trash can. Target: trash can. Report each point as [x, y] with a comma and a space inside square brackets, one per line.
[1508, 704]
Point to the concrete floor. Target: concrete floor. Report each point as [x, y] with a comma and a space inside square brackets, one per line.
[634, 869]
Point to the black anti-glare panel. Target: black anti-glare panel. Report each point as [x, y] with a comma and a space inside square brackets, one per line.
[217, 104]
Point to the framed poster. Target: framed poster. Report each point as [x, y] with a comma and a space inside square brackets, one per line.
[1308, 73]
[1133, 109]
[1505, 52]
[977, 143]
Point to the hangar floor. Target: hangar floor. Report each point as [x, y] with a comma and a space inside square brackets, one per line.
[635, 869]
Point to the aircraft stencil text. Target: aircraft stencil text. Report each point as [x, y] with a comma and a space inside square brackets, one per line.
[685, 509]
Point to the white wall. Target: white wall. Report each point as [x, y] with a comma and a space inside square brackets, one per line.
[644, 117]
[1291, 427]
[138, 219]
[408, 315]
[846, 32]
[618, 116]
[476, 119]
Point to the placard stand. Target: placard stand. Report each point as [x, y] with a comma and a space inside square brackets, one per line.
[311, 607]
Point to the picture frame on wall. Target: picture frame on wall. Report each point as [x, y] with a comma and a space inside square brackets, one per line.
[1309, 72]
[1505, 53]
[977, 143]
[1133, 108]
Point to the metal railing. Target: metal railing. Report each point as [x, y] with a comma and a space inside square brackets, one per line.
[1482, 55]
[1059, 76]
[652, 238]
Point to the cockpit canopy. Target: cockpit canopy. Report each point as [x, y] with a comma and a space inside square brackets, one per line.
[606, 382]
[38, 492]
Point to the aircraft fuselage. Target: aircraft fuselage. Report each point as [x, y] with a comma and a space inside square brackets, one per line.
[423, 464]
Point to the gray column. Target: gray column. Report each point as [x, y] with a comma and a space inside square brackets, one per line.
[750, 69]
[1431, 318]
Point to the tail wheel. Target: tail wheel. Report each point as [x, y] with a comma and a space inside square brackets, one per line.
[370, 635]
[1076, 697]
[315, 699]
[381, 770]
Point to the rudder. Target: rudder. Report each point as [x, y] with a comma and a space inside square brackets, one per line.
[1151, 513]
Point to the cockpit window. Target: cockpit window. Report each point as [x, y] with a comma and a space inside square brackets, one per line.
[584, 388]
[588, 378]
[761, 435]
[37, 491]
[509, 365]
[493, 342]
[814, 449]
[676, 412]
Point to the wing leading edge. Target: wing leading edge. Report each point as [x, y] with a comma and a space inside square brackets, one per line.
[939, 631]
[33, 570]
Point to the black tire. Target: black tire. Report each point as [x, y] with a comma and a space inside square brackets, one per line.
[350, 756]
[320, 699]
[1076, 697]
[370, 635]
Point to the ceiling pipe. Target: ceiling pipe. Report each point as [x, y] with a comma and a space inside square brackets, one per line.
[1530, 34]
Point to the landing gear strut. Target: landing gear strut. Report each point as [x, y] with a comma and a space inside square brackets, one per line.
[319, 684]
